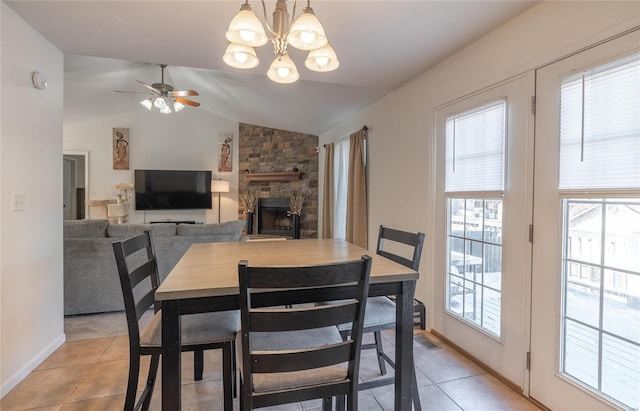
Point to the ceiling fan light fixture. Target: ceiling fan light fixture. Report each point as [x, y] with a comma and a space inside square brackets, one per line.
[323, 59]
[147, 103]
[283, 70]
[307, 33]
[178, 106]
[164, 97]
[240, 56]
[246, 29]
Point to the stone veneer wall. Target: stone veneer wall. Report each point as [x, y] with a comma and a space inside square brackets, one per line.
[268, 150]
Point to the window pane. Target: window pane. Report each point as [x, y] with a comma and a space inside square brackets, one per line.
[581, 353]
[622, 235]
[583, 300]
[620, 377]
[491, 311]
[493, 221]
[493, 266]
[585, 231]
[473, 302]
[622, 305]
[456, 294]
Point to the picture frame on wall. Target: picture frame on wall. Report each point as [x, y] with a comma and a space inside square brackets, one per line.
[225, 141]
[120, 140]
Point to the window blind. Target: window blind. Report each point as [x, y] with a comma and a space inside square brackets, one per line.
[474, 149]
[600, 127]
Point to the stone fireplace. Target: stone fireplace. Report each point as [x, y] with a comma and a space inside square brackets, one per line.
[274, 164]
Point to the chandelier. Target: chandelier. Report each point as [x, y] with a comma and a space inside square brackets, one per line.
[305, 33]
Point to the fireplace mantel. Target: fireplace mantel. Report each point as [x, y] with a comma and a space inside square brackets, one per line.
[293, 175]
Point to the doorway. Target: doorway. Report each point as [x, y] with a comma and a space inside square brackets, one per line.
[75, 166]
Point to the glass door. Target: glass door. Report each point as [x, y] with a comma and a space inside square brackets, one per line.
[483, 212]
[585, 322]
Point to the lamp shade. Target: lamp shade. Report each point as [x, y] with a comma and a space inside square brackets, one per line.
[307, 33]
[323, 59]
[219, 186]
[239, 56]
[246, 28]
[283, 70]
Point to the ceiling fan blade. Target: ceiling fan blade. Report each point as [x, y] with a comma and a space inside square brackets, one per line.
[188, 102]
[149, 87]
[183, 93]
[133, 92]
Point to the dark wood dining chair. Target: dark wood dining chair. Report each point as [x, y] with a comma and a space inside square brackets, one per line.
[138, 271]
[297, 354]
[381, 311]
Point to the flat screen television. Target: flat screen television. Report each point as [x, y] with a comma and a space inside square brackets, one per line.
[172, 189]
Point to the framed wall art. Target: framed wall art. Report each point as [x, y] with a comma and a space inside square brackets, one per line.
[120, 148]
[225, 141]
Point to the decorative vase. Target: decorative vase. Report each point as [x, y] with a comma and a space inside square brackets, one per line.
[249, 225]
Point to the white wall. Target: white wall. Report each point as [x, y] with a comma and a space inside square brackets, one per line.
[31, 309]
[187, 140]
[401, 125]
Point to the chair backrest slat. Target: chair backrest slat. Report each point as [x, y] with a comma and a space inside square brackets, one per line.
[415, 240]
[287, 361]
[270, 320]
[145, 303]
[141, 273]
[314, 276]
[350, 279]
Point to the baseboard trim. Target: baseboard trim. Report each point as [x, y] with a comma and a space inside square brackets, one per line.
[23, 372]
[488, 369]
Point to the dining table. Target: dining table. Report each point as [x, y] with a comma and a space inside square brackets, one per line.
[205, 279]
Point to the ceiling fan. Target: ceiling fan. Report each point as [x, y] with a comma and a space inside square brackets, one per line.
[164, 97]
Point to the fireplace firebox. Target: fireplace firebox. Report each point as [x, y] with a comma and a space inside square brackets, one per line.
[275, 218]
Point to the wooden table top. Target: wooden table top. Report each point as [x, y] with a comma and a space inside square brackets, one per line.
[211, 269]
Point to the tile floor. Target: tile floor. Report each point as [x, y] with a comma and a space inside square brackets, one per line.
[92, 374]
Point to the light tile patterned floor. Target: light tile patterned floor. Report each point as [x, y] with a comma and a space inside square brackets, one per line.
[91, 375]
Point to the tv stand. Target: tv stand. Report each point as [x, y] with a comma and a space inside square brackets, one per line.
[173, 221]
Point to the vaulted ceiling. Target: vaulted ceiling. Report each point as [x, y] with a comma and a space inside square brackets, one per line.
[381, 45]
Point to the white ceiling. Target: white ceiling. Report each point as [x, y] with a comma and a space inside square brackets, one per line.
[380, 44]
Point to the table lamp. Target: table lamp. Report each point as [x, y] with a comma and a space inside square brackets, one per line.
[219, 186]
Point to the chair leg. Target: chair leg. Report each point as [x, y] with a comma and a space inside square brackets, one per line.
[416, 395]
[379, 352]
[151, 380]
[340, 402]
[352, 402]
[234, 368]
[227, 376]
[198, 365]
[132, 384]
[327, 404]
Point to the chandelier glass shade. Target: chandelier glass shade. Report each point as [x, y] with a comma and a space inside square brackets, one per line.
[246, 31]
[165, 105]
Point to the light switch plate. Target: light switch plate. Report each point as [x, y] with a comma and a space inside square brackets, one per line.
[18, 202]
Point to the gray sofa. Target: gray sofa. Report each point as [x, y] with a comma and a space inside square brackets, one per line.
[91, 283]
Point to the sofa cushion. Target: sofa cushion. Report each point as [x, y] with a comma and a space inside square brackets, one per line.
[85, 228]
[132, 230]
[229, 231]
